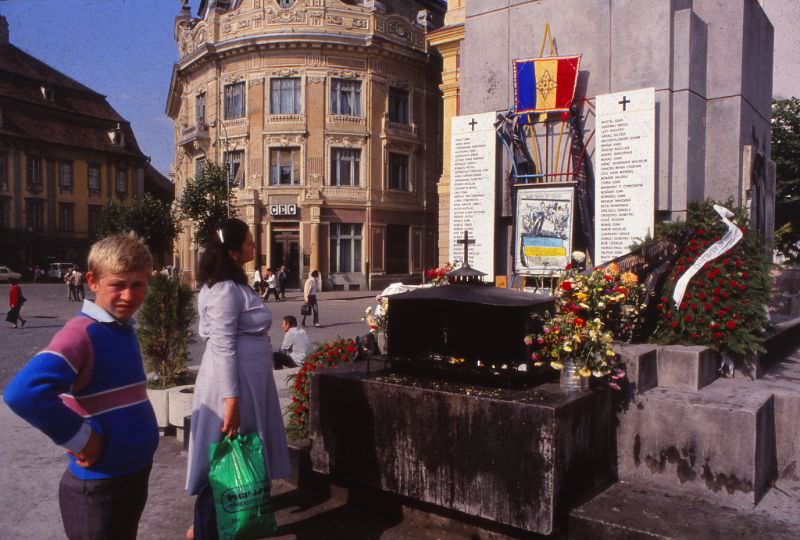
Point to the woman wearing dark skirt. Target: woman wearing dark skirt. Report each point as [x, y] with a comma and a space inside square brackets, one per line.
[15, 301]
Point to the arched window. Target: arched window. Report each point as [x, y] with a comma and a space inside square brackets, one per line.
[285, 4]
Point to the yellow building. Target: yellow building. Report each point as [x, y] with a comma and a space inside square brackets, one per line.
[448, 40]
[65, 153]
[328, 115]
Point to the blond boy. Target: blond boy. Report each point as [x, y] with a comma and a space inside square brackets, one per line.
[86, 391]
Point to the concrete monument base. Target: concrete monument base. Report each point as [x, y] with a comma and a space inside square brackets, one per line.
[515, 457]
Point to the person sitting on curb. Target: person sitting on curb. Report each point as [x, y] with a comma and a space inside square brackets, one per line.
[295, 346]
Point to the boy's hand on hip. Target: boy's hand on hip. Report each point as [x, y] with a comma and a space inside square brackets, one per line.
[230, 417]
[91, 452]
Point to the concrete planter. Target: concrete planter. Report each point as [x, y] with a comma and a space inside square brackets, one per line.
[180, 404]
[159, 399]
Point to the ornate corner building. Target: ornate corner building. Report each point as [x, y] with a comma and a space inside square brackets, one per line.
[65, 154]
[327, 117]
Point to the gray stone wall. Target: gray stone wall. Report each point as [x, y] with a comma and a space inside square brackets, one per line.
[784, 16]
[709, 60]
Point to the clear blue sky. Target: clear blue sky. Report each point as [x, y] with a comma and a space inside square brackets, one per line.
[120, 48]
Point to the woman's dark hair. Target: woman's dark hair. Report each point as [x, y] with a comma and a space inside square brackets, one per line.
[216, 264]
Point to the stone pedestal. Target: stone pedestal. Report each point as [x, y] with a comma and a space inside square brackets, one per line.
[515, 457]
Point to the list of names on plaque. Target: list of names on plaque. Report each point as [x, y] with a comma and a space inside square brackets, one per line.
[472, 189]
[625, 164]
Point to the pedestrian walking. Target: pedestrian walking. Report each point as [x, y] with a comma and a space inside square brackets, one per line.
[283, 277]
[310, 291]
[87, 392]
[257, 281]
[15, 301]
[272, 286]
[235, 388]
[70, 286]
[77, 284]
[295, 345]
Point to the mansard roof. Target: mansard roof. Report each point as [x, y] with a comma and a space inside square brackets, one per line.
[40, 103]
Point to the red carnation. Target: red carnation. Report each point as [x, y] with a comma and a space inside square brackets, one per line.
[715, 299]
[716, 290]
[721, 313]
[579, 322]
[699, 232]
[674, 324]
[718, 335]
[688, 318]
[730, 325]
[707, 306]
[566, 285]
[702, 296]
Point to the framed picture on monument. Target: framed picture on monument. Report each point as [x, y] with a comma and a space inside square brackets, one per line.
[543, 222]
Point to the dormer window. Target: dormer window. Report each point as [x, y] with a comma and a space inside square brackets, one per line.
[47, 93]
[116, 136]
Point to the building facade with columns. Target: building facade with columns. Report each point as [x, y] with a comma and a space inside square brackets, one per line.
[449, 41]
[327, 116]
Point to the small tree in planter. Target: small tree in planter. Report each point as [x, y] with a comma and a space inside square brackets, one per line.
[164, 329]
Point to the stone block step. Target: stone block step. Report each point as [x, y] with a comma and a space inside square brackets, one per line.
[632, 512]
[718, 443]
[687, 367]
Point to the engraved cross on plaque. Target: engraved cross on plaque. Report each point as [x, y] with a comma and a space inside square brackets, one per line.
[466, 242]
[473, 124]
[624, 103]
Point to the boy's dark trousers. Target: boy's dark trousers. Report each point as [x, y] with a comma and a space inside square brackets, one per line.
[102, 509]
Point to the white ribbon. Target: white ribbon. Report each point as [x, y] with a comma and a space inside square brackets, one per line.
[724, 244]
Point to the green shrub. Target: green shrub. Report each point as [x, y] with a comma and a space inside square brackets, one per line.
[164, 329]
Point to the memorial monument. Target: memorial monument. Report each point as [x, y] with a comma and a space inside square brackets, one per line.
[709, 63]
[671, 105]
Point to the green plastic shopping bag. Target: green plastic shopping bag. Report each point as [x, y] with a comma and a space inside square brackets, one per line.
[241, 484]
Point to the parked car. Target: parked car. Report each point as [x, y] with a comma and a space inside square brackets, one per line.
[7, 274]
[57, 270]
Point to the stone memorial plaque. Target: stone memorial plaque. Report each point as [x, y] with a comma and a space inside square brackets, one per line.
[472, 189]
[624, 193]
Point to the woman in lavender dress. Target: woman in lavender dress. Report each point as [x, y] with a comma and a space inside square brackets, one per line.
[235, 389]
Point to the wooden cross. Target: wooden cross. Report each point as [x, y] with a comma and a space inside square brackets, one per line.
[466, 242]
[624, 103]
[473, 124]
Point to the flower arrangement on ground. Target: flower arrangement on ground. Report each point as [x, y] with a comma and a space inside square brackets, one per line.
[723, 304]
[330, 354]
[592, 310]
[438, 276]
[377, 317]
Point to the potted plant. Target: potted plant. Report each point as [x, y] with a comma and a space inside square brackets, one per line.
[164, 329]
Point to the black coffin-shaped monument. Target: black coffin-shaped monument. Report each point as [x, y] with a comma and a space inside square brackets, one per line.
[444, 422]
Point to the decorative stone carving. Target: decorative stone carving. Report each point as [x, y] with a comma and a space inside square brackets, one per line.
[255, 82]
[287, 17]
[286, 72]
[336, 20]
[401, 30]
[360, 23]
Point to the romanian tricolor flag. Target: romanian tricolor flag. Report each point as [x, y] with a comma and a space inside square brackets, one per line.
[545, 84]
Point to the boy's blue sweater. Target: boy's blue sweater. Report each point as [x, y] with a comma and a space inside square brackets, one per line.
[90, 378]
